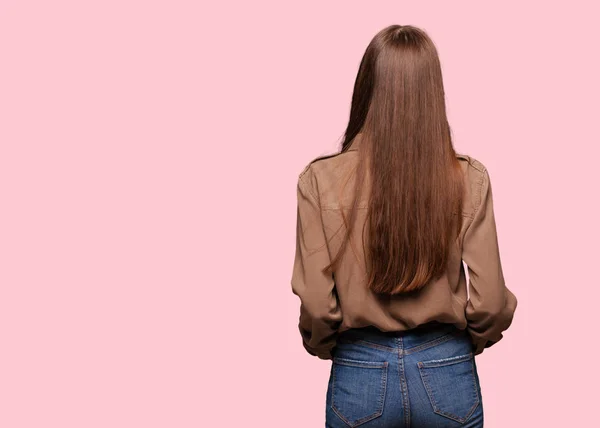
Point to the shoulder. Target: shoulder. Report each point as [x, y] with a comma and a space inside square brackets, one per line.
[326, 161]
[472, 163]
[477, 181]
[306, 176]
[327, 167]
[475, 171]
[324, 175]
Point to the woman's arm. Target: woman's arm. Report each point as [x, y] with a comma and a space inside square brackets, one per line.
[320, 312]
[491, 304]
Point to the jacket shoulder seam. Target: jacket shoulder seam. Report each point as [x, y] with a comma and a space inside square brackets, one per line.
[475, 163]
[480, 195]
[304, 171]
[302, 181]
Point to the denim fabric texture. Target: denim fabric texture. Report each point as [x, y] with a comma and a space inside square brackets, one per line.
[425, 377]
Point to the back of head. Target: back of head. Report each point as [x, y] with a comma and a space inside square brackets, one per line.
[406, 152]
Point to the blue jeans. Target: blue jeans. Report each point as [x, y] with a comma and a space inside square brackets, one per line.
[425, 377]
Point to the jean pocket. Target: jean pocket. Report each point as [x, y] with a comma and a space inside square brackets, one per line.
[358, 389]
[452, 386]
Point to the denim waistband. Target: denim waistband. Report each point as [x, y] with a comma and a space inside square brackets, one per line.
[405, 339]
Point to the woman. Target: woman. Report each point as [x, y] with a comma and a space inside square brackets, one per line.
[383, 227]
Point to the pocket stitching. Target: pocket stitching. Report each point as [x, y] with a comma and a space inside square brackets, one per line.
[442, 363]
[383, 388]
[446, 361]
[359, 363]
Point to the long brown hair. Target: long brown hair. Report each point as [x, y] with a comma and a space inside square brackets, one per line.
[406, 151]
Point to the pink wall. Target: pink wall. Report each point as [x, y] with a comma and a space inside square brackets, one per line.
[149, 157]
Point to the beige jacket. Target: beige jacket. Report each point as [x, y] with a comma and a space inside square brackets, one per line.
[330, 306]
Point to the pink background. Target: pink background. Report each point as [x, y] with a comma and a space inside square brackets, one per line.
[149, 157]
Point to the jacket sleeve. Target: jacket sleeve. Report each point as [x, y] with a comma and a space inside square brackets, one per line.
[491, 304]
[320, 312]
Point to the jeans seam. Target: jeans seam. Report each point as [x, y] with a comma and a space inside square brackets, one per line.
[368, 344]
[423, 346]
[403, 385]
[360, 363]
[446, 361]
